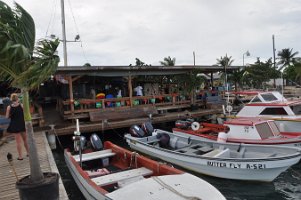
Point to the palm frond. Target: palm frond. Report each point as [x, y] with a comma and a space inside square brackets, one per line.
[42, 66]
[26, 26]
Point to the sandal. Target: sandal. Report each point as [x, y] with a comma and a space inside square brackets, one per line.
[19, 158]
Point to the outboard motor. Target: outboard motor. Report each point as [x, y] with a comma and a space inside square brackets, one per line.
[164, 140]
[83, 142]
[136, 131]
[148, 128]
[183, 124]
[96, 142]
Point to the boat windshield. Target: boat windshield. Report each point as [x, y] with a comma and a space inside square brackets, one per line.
[296, 109]
[269, 97]
[255, 100]
[264, 130]
[274, 128]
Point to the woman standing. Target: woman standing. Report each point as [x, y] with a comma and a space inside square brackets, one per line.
[17, 123]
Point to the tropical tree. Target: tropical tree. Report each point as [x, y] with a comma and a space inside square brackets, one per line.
[237, 77]
[298, 69]
[190, 81]
[293, 72]
[260, 72]
[225, 62]
[25, 66]
[167, 79]
[286, 58]
[168, 61]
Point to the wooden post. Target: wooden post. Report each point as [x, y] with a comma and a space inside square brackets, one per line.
[130, 88]
[71, 95]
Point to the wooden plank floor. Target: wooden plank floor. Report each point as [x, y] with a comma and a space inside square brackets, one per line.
[7, 179]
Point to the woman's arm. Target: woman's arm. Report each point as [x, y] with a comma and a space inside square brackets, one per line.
[7, 115]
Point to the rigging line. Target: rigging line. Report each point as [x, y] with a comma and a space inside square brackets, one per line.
[77, 30]
[52, 16]
[173, 190]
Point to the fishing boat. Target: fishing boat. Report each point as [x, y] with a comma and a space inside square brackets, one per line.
[239, 130]
[112, 172]
[273, 105]
[223, 160]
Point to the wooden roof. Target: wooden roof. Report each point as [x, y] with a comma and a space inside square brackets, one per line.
[138, 70]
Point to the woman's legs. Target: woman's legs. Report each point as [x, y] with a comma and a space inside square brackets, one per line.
[18, 138]
[24, 137]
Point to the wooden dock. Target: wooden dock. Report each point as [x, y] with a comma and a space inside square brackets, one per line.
[8, 189]
[112, 124]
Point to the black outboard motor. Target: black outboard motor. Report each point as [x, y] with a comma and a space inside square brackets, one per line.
[96, 142]
[164, 140]
[148, 128]
[136, 131]
[183, 124]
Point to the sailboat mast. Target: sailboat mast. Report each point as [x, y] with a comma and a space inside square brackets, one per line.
[65, 57]
[64, 33]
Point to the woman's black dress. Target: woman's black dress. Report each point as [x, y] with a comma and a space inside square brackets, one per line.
[17, 123]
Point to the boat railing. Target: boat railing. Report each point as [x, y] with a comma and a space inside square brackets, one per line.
[83, 106]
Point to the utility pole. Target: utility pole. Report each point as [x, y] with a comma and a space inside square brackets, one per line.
[274, 62]
[193, 58]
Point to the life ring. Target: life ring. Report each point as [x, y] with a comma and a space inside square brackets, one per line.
[195, 126]
[229, 108]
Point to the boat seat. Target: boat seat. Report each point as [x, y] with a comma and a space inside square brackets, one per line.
[95, 155]
[127, 181]
[218, 153]
[205, 149]
[119, 176]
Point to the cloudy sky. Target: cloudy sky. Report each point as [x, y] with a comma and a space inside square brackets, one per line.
[115, 32]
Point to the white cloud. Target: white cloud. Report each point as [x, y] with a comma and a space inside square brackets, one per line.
[116, 32]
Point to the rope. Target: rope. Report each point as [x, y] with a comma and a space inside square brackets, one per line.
[52, 17]
[77, 30]
[134, 158]
[58, 139]
[158, 180]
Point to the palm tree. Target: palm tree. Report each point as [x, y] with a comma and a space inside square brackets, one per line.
[286, 57]
[168, 61]
[25, 66]
[225, 62]
[237, 77]
[297, 68]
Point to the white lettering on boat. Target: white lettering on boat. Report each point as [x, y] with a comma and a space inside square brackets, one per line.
[236, 165]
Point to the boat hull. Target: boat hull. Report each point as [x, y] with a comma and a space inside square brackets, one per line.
[290, 142]
[177, 183]
[88, 191]
[265, 170]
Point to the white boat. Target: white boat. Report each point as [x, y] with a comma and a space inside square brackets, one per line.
[116, 173]
[272, 105]
[240, 130]
[230, 161]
